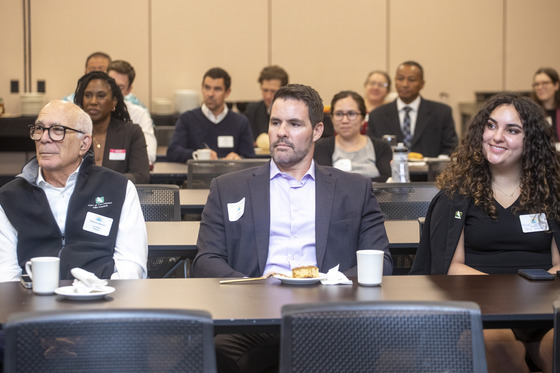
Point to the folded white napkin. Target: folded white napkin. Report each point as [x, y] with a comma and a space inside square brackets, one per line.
[335, 277]
[86, 282]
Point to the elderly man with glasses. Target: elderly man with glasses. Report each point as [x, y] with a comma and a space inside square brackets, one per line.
[63, 205]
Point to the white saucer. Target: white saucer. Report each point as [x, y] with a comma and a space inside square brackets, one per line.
[300, 281]
[68, 292]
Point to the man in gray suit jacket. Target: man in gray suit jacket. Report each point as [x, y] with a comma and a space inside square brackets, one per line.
[238, 221]
[287, 213]
[430, 129]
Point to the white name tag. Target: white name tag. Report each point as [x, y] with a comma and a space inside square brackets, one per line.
[98, 224]
[236, 210]
[117, 154]
[343, 164]
[225, 141]
[533, 223]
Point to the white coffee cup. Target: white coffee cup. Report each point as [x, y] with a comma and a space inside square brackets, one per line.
[202, 154]
[44, 271]
[370, 267]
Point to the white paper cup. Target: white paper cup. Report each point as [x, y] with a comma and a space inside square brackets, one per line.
[370, 267]
[44, 271]
[202, 154]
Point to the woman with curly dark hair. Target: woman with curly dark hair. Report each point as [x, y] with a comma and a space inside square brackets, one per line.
[497, 212]
[117, 143]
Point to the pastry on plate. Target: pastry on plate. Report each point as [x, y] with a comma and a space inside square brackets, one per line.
[305, 272]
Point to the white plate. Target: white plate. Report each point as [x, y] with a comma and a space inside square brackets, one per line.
[68, 292]
[300, 281]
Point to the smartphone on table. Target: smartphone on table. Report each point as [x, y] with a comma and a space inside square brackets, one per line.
[536, 274]
[26, 282]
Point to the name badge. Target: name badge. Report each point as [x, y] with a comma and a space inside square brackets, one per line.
[117, 154]
[236, 210]
[343, 164]
[225, 141]
[97, 224]
[533, 223]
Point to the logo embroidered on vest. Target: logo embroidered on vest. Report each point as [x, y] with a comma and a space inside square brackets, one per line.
[99, 203]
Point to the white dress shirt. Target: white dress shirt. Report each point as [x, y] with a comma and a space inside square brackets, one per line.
[142, 117]
[131, 247]
[214, 118]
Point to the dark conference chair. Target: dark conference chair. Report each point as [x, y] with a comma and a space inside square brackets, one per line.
[110, 341]
[556, 362]
[383, 337]
[404, 201]
[201, 172]
[161, 203]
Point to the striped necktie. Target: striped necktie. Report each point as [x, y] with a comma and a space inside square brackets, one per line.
[406, 127]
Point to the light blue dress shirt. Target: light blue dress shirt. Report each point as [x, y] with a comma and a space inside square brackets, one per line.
[292, 221]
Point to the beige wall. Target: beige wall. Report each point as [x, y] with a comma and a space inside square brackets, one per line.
[11, 54]
[464, 46]
[531, 40]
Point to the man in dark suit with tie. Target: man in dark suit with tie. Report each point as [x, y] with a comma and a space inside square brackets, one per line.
[287, 213]
[424, 126]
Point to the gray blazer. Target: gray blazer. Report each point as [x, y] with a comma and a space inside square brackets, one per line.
[347, 216]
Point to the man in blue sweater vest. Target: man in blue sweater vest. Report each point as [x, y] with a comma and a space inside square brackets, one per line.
[213, 126]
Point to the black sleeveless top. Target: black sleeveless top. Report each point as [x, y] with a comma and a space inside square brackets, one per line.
[501, 246]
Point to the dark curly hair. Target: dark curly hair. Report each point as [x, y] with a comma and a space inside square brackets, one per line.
[468, 174]
[120, 112]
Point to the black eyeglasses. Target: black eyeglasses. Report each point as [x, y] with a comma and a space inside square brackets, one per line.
[56, 132]
[339, 115]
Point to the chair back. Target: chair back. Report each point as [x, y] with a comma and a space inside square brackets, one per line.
[201, 172]
[435, 167]
[404, 201]
[110, 341]
[383, 337]
[162, 203]
[556, 351]
[159, 202]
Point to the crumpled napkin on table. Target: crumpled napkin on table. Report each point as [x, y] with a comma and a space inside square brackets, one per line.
[335, 277]
[86, 282]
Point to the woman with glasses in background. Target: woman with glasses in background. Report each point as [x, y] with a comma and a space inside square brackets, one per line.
[377, 87]
[117, 144]
[349, 150]
[546, 92]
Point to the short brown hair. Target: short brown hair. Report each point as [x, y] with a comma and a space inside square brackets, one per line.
[274, 72]
[308, 95]
[123, 67]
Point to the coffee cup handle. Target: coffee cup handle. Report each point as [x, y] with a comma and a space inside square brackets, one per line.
[195, 154]
[28, 269]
